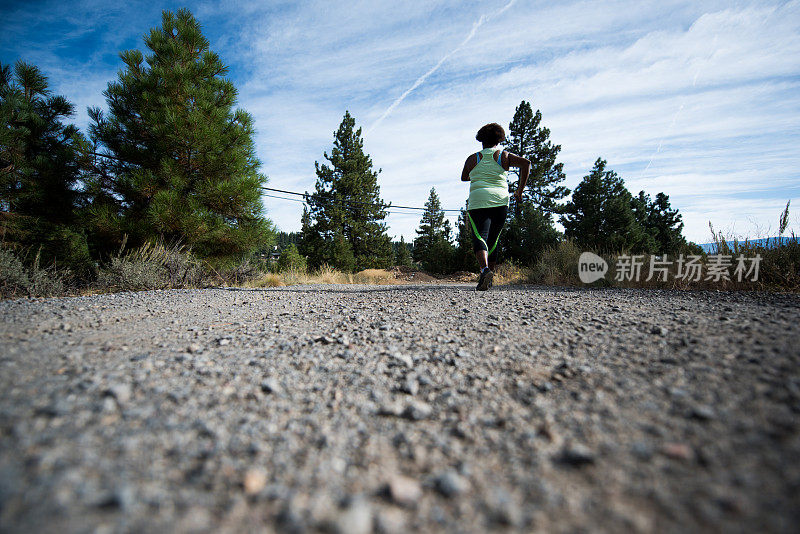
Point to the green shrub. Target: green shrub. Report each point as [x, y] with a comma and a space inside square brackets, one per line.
[152, 266]
[558, 265]
[291, 260]
[17, 280]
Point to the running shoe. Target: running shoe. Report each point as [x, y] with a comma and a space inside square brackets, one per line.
[485, 281]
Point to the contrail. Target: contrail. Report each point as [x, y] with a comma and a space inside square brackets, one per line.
[433, 69]
[675, 116]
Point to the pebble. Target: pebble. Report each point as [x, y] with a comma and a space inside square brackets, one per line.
[270, 385]
[410, 385]
[659, 330]
[451, 484]
[403, 359]
[703, 413]
[576, 455]
[404, 491]
[255, 479]
[356, 518]
[417, 410]
[120, 391]
[677, 451]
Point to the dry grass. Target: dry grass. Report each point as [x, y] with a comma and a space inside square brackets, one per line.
[324, 275]
[154, 265]
[508, 273]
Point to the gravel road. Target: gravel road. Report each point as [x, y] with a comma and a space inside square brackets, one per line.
[401, 408]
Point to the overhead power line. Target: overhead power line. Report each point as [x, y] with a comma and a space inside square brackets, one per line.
[344, 201]
[305, 196]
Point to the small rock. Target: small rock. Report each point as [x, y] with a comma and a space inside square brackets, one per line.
[677, 451]
[417, 410]
[659, 330]
[410, 385]
[224, 341]
[451, 484]
[546, 386]
[270, 385]
[503, 509]
[356, 518]
[255, 479]
[66, 327]
[325, 340]
[703, 413]
[678, 393]
[403, 359]
[404, 491]
[391, 521]
[194, 348]
[120, 391]
[576, 455]
[390, 408]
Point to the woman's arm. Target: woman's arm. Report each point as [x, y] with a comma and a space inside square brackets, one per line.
[468, 166]
[524, 165]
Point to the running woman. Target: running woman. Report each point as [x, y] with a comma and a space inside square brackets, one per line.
[487, 172]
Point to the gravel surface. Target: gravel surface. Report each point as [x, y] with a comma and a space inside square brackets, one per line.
[401, 408]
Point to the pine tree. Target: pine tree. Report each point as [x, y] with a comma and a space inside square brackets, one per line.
[530, 226]
[341, 253]
[402, 255]
[527, 138]
[290, 260]
[184, 165]
[433, 247]
[40, 167]
[600, 216]
[661, 223]
[464, 256]
[347, 201]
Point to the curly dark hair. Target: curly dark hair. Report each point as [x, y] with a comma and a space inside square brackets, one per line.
[491, 134]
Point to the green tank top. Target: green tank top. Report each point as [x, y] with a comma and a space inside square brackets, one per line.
[488, 185]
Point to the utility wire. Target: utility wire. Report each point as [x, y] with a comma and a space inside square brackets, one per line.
[306, 195]
[389, 210]
[387, 206]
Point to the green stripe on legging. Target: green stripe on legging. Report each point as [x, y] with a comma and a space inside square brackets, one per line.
[475, 229]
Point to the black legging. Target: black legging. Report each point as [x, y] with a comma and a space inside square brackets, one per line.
[486, 224]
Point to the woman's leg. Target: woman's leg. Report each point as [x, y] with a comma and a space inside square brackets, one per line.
[497, 219]
[483, 259]
[480, 225]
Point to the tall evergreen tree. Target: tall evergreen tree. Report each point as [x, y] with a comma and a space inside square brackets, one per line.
[600, 216]
[40, 168]
[464, 256]
[347, 201]
[402, 256]
[529, 139]
[433, 247]
[530, 226]
[661, 223]
[184, 164]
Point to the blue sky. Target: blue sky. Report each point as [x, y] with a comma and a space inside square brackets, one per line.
[700, 100]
